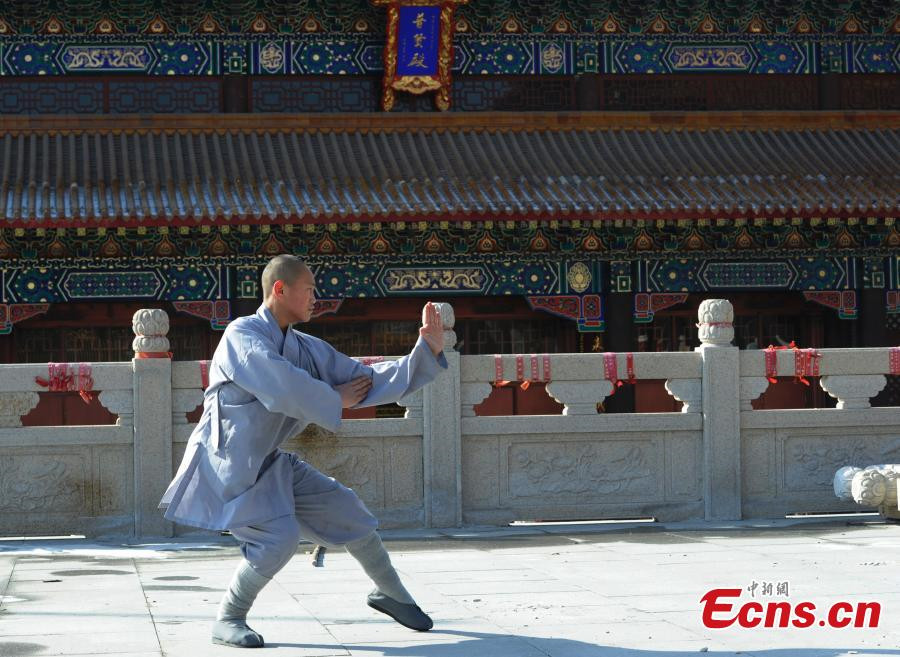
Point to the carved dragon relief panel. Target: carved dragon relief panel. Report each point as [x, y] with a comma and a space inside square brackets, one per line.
[586, 471]
[357, 464]
[44, 482]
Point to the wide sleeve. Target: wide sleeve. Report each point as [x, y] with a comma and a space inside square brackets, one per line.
[391, 380]
[278, 384]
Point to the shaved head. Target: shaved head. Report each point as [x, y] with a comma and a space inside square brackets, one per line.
[284, 267]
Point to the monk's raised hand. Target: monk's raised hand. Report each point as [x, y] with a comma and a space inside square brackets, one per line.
[432, 330]
[354, 391]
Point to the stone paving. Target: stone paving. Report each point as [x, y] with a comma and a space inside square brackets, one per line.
[560, 591]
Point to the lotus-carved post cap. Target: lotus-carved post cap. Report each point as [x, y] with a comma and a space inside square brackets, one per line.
[716, 322]
[150, 322]
[875, 486]
[150, 326]
[448, 321]
[448, 317]
[843, 482]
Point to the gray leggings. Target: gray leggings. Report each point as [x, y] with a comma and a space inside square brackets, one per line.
[325, 512]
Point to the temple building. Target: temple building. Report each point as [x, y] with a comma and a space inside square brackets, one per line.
[587, 173]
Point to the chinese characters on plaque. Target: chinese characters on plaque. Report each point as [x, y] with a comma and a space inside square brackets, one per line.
[417, 40]
[418, 53]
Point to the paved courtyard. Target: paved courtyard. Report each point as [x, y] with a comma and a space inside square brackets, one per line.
[562, 591]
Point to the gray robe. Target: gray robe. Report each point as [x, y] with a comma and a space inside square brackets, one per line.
[265, 387]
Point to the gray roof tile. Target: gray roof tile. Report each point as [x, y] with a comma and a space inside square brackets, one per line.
[258, 174]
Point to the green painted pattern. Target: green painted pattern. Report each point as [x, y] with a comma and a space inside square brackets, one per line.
[483, 16]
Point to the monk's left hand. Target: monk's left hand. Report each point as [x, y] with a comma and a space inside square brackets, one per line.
[432, 330]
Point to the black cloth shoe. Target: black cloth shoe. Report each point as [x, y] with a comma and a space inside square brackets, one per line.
[237, 634]
[409, 615]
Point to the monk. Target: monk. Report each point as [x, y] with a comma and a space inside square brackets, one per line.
[267, 381]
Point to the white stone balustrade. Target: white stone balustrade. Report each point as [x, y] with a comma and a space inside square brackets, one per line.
[13, 405]
[413, 404]
[840, 361]
[855, 390]
[71, 479]
[751, 388]
[588, 367]
[121, 404]
[688, 392]
[720, 401]
[183, 402]
[442, 465]
[579, 397]
[852, 376]
[153, 414]
[472, 394]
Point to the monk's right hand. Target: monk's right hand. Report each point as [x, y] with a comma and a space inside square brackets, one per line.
[354, 391]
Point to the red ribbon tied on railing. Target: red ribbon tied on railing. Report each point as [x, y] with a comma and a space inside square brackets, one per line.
[204, 374]
[534, 370]
[894, 360]
[806, 363]
[61, 377]
[368, 360]
[498, 372]
[499, 381]
[611, 369]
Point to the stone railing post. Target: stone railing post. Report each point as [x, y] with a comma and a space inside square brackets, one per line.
[442, 436]
[152, 420]
[720, 401]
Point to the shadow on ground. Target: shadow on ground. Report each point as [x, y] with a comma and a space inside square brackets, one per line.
[485, 643]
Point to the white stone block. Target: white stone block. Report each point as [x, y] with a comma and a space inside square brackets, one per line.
[580, 397]
[13, 405]
[472, 394]
[853, 391]
[183, 402]
[687, 391]
[751, 388]
[121, 404]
